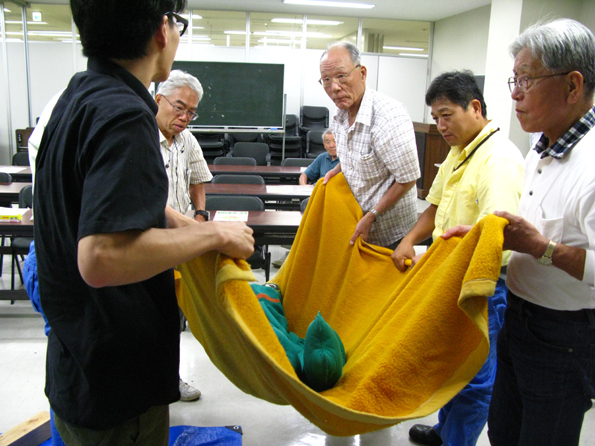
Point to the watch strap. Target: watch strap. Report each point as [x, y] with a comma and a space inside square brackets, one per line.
[546, 258]
[205, 214]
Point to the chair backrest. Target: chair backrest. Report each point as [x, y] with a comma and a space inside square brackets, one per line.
[20, 159]
[235, 161]
[237, 179]
[245, 137]
[5, 178]
[304, 204]
[26, 197]
[233, 203]
[291, 125]
[256, 150]
[311, 116]
[298, 162]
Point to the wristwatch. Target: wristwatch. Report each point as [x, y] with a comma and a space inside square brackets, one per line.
[546, 258]
[205, 214]
[375, 212]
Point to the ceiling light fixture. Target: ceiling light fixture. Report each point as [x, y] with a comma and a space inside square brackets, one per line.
[234, 32]
[309, 21]
[329, 3]
[402, 48]
[424, 56]
[291, 34]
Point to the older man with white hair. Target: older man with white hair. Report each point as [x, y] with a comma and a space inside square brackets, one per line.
[185, 165]
[545, 380]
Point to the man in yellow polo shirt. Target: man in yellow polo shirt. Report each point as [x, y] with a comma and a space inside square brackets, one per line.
[483, 172]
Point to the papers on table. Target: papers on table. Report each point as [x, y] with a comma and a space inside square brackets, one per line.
[12, 214]
[12, 169]
[231, 216]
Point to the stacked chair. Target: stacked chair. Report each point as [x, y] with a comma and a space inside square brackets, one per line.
[293, 146]
[212, 145]
[312, 118]
[314, 143]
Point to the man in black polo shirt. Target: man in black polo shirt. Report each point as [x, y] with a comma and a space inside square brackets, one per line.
[105, 245]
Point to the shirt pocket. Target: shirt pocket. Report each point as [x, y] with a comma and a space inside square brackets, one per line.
[467, 205]
[552, 228]
[370, 166]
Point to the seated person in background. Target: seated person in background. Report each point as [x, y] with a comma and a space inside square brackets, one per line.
[482, 173]
[324, 162]
[318, 169]
[185, 165]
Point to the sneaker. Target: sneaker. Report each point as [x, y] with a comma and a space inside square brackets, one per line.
[279, 263]
[188, 393]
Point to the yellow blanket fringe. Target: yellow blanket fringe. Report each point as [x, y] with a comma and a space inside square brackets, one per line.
[413, 340]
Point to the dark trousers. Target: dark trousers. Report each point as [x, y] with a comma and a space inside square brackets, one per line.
[148, 429]
[545, 378]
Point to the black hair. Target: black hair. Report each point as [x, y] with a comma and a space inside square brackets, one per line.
[459, 87]
[120, 29]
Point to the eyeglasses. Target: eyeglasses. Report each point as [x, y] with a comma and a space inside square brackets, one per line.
[339, 78]
[180, 111]
[179, 21]
[523, 83]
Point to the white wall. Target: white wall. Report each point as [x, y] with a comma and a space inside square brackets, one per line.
[460, 42]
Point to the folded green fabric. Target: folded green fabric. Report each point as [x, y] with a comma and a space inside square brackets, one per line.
[324, 355]
[318, 359]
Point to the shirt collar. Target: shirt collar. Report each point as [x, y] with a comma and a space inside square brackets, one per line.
[364, 114]
[568, 140]
[109, 68]
[489, 128]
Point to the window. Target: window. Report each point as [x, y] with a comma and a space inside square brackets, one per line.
[398, 37]
[278, 30]
[325, 30]
[217, 28]
[44, 23]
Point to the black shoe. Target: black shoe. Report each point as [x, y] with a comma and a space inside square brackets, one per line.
[425, 435]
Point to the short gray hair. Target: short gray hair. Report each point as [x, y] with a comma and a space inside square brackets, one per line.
[353, 51]
[327, 132]
[179, 79]
[561, 45]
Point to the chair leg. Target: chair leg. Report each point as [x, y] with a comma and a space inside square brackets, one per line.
[20, 270]
[12, 272]
[2, 256]
[267, 263]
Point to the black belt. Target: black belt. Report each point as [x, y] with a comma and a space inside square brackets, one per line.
[523, 306]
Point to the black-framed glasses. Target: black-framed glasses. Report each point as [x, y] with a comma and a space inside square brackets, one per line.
[339, 78]
[523, 83]
[180, 21]
[180, 111]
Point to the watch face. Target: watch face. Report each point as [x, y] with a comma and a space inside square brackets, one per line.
[545, 261]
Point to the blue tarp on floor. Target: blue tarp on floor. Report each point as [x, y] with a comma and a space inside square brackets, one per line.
[199, 436]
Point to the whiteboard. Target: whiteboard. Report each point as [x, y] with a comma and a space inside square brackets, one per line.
[404, 79]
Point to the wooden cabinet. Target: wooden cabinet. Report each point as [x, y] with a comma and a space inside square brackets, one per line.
[432, 149]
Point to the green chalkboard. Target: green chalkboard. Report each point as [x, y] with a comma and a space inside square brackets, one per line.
[238, 94]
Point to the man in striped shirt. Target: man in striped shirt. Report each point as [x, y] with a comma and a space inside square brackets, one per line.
[186, 167]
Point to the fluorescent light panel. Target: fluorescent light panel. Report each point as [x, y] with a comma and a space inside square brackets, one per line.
[424, 56]
[309, 21]
[329, 3]
[402, 48]
[291, 34]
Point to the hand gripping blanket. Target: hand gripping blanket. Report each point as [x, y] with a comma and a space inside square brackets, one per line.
[413, 340]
